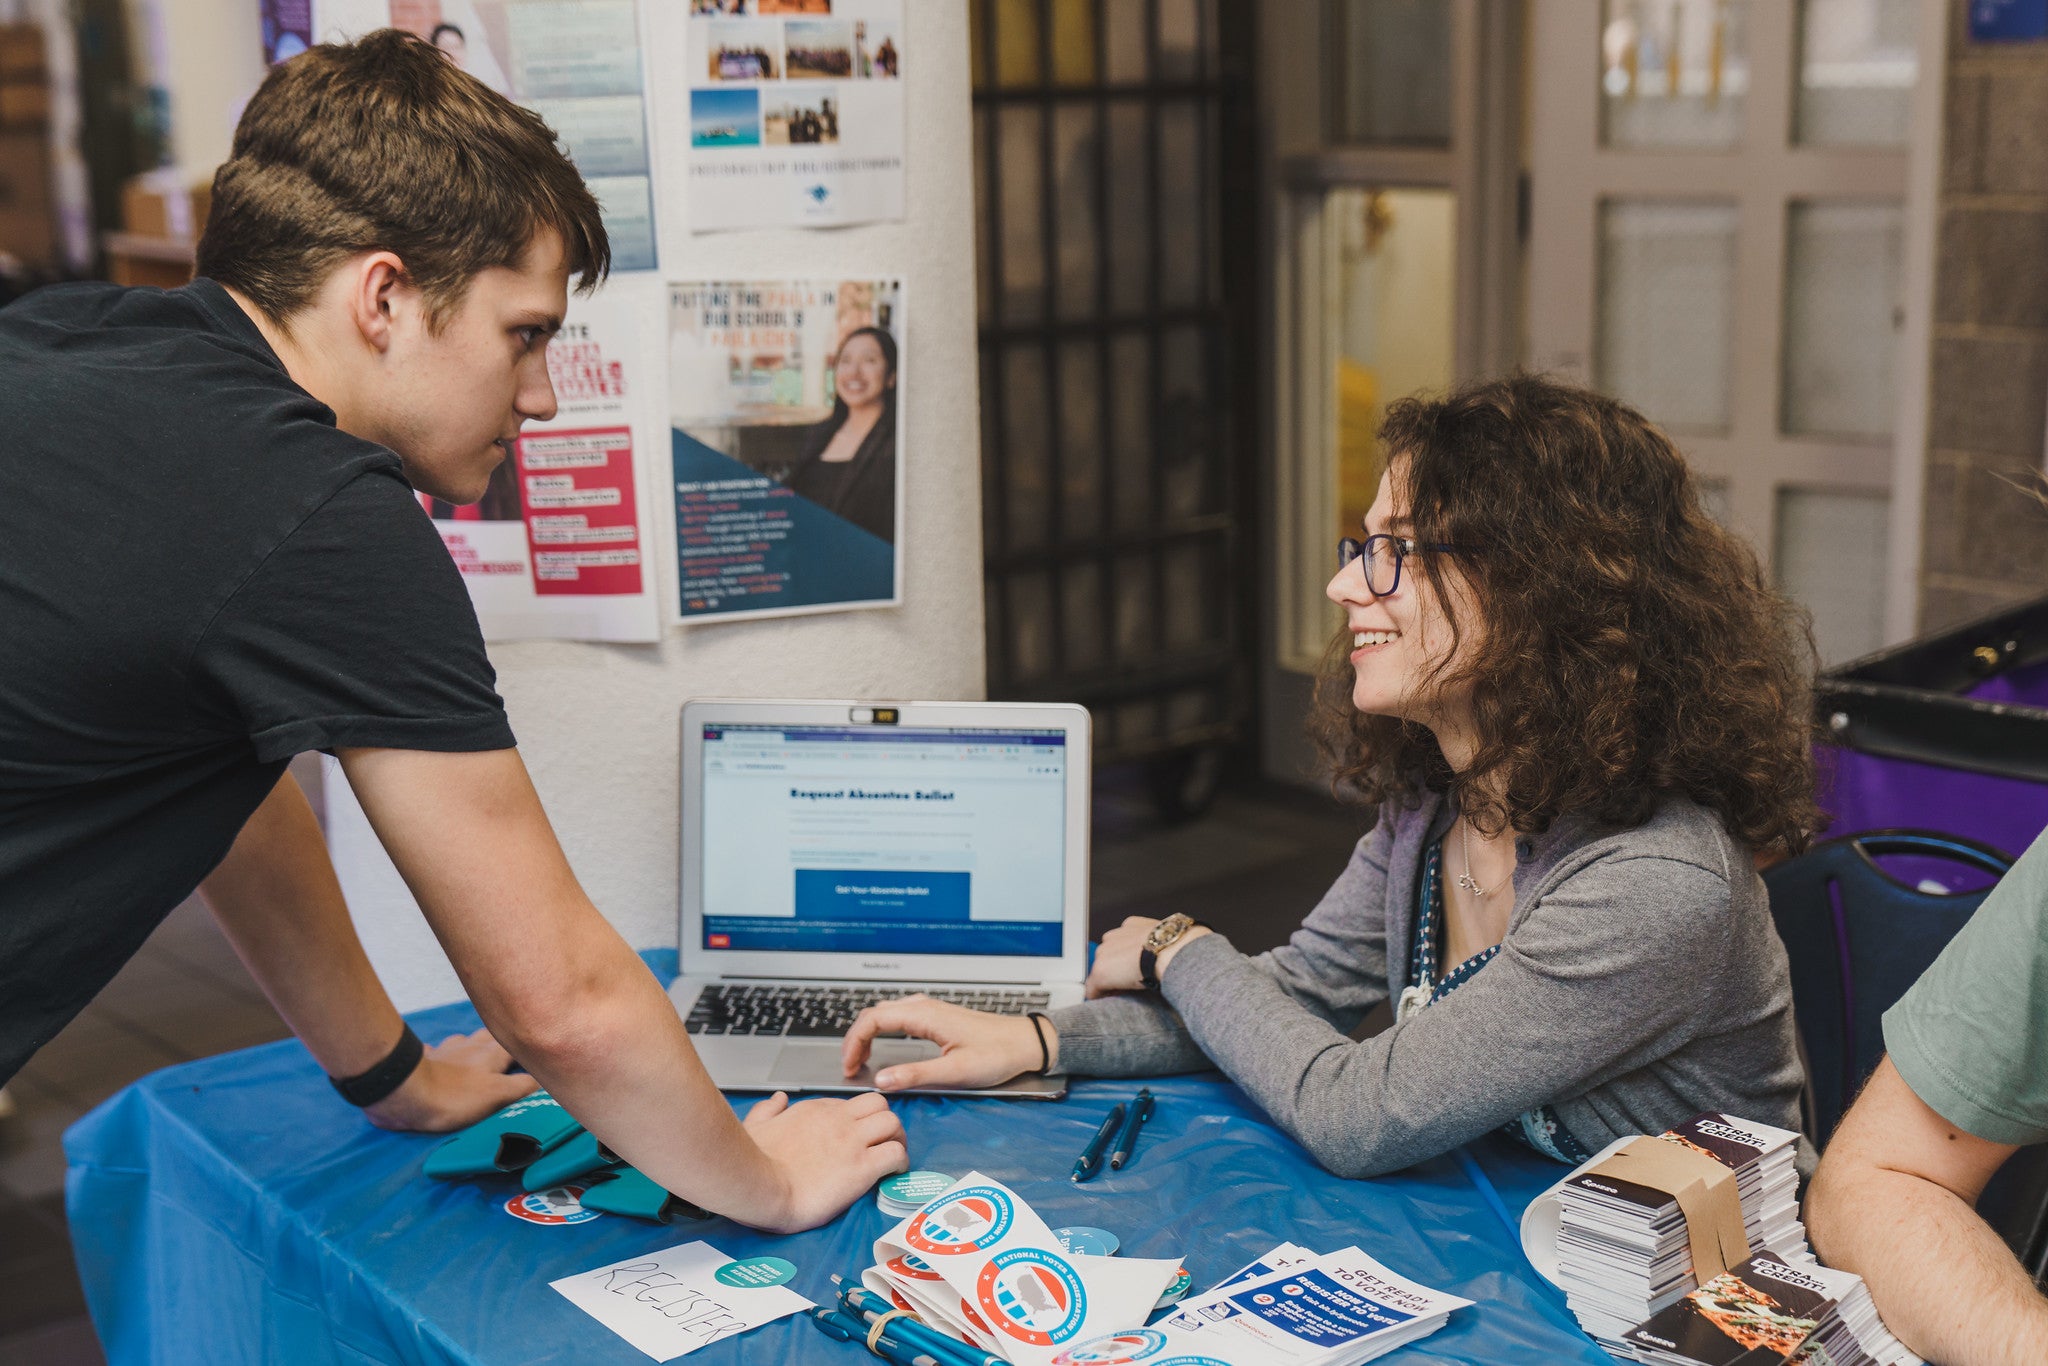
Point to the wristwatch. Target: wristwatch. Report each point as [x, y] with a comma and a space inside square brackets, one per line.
[1165, 933]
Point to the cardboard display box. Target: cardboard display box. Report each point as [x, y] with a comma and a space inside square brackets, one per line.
[160, 204]
[28, 218]
[21, 55]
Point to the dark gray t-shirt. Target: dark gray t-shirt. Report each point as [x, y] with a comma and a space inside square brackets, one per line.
[200, 577]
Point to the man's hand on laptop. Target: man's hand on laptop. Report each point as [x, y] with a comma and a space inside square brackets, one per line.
[975, 1048]
[828, 1152]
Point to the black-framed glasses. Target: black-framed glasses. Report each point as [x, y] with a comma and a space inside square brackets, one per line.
[1383, 554]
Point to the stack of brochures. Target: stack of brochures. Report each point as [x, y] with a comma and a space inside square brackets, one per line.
[1769, 1311]
[1292, 1308]
[1622, 1249]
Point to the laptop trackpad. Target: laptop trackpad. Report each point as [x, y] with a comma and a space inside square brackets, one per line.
[806, 1066]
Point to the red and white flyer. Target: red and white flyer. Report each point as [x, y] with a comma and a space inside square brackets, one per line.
[560, 545]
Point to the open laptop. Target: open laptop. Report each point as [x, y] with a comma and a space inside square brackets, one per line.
[840, 853]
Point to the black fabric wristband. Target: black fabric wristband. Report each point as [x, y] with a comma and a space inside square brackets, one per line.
[367, 1088]
[1037, 1018]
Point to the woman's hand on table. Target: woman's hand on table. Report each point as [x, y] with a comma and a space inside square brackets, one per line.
[827, 1152]
[1116, 957]
[975, 1047]
[458, 1082]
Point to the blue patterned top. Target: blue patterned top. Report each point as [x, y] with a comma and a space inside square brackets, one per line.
[1538, 1128]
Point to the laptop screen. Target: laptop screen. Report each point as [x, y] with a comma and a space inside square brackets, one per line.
[880, 839]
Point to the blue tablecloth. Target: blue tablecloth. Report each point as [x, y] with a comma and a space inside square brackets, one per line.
[233, 1210]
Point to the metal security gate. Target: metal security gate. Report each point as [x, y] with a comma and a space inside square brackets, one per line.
[1115, 221]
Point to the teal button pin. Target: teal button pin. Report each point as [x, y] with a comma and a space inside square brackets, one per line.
[755, 1273]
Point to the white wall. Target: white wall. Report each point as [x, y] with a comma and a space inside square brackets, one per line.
[598, 723]
[208, 56]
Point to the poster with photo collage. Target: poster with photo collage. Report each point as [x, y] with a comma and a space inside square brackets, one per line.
[796, 114]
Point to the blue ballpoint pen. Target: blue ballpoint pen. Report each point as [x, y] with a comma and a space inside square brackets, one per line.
[1090, 1159]
[867, 1306]
[834, 1324]
[1127, 1137]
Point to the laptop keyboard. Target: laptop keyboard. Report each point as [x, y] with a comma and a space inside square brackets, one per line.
[826, 1012]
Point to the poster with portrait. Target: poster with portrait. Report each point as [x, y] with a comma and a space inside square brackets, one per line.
[559, 547]
[795, 112]
[785, 444]
[576, 63]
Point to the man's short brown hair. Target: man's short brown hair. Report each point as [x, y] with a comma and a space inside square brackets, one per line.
[386, 145]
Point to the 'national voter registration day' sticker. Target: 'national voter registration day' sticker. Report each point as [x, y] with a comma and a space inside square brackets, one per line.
[755, 1273]
[555, 1205]
[966, 1221]
[1032, 1295]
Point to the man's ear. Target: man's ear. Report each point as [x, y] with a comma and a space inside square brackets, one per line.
[377, 296]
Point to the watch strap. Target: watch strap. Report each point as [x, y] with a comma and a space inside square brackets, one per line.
[367, 1088]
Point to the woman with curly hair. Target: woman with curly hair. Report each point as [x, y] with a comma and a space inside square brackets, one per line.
[1583, 714]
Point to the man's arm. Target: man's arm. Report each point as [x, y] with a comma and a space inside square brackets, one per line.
[561, 989]
[277, 900]
[1894, 1201]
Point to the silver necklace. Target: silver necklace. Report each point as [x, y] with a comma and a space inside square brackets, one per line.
[1465, 879]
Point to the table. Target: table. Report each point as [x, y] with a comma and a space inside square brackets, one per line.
[232, 1209]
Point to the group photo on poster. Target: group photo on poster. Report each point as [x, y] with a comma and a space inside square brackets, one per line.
[576, 63]
[796, 113]
[786, 445]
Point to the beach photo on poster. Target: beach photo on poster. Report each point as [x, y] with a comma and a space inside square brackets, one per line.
[725, 118]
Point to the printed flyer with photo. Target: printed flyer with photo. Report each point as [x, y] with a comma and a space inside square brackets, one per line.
[785, 445]
[558, 547]
[796, 112]
[576, 63]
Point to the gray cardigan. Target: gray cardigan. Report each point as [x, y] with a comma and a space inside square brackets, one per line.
[1640, 983]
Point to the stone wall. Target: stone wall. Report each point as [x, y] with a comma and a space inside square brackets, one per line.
[1986, 538]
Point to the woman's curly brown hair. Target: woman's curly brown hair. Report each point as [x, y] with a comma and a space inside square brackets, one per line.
[1630, 647]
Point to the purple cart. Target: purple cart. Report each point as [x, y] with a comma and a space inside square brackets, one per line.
[1947, 733]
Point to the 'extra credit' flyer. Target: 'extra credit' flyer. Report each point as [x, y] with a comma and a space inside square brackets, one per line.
[558, 547]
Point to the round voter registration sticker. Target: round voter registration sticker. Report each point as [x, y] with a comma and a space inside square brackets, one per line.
[1118, 1349]
[1175, 1288]
[1032, 1295]
[965, 1221]
[755, 1273]
[1099, 1242]
[914, 1188]
[555, 1205]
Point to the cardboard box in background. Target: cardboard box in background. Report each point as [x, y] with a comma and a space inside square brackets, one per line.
[28, 218]
[162, 204]
[24, 80]
[21, 55]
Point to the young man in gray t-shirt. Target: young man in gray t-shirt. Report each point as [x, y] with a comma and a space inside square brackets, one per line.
[1965, 1084]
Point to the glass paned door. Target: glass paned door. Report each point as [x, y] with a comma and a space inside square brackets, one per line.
[1718, 236]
